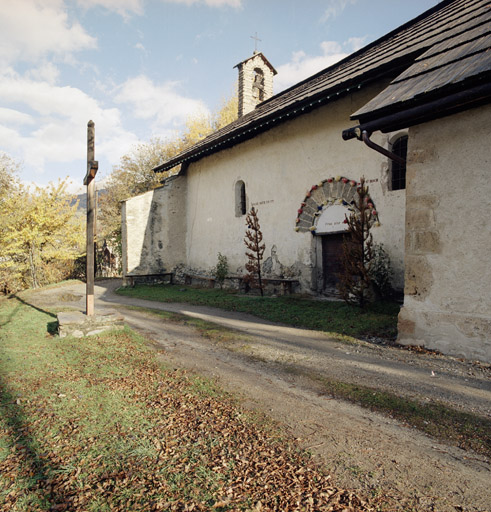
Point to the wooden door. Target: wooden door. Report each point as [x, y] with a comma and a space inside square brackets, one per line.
[332, 255]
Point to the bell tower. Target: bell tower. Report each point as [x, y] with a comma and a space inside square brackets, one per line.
[255, 82]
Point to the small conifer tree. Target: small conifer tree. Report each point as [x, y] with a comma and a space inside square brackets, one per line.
[255, 252]
[220, 271]
[354, 280]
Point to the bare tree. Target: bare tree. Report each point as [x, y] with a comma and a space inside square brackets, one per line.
[355, 281]
[255, 252]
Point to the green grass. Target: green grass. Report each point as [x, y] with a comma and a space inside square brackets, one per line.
[97, 424]
[468, 431]
[335, 318]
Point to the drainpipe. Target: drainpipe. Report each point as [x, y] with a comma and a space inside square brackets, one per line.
[365, 137]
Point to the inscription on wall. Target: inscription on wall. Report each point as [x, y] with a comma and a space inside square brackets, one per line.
[263, 202]
[332, 220]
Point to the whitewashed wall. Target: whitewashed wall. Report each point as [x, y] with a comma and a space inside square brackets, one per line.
[278, 168]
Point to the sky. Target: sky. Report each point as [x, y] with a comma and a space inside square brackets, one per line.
[140, 68]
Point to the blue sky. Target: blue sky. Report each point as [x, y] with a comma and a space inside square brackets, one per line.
[139, 68]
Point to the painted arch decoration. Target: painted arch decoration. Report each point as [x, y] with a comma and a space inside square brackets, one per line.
[338, 192]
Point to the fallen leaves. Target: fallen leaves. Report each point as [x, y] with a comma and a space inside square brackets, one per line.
[142, 440]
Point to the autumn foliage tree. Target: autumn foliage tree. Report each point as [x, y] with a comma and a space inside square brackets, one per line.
[255, 251]
[41, 235]
[355, 279]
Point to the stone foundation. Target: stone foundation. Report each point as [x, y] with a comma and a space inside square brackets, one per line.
[79, 325]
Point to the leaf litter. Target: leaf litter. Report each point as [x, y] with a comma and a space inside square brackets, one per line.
[109, 429]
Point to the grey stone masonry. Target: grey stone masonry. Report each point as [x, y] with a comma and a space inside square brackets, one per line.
[79, 325]
[248, 94]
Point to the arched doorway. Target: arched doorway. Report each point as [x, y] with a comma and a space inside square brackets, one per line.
[323, 212]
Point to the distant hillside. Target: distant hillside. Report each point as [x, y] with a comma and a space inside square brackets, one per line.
[82, 199]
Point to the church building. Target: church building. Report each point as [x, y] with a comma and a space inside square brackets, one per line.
[410, 113]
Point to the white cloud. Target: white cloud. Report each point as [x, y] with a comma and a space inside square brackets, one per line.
[127, 7]
[31, 29]
[302, 65]
[209, 3]
[356, 43]
[59, 116]
[45, 72]
[161, 104]
[10, 116]
[335, 8]
[122, 7]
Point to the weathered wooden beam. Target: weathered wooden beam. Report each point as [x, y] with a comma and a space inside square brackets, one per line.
[89, 180]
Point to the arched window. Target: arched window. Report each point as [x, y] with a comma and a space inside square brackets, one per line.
[240, 199]
[398, 170]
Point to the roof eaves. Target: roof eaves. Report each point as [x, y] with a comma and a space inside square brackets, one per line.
[424, 109]
[251, 129]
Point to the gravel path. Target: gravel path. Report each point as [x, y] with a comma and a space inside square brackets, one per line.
[269, 365]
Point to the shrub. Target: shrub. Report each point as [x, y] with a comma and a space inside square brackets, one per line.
[381, 272]
[220, 271]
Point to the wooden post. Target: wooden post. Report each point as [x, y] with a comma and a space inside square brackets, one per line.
[89, 180]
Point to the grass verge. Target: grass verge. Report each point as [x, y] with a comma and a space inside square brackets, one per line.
[96, 424]
[337, 318]
[467, 431]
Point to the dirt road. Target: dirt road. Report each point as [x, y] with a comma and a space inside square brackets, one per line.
[269, 365]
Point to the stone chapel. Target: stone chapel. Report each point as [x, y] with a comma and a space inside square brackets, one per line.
[410, 113]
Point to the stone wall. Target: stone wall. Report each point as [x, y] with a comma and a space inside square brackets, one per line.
[447, 302]
[153, 229]
[247, 102]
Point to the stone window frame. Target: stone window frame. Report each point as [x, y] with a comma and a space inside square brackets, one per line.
[398, 145]
[240, 198]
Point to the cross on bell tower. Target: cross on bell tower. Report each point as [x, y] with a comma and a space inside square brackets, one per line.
[256, 39]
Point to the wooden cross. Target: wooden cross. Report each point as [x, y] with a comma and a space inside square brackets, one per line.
[89, 180]
[256, 39]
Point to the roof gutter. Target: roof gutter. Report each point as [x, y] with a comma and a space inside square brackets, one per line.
[366, 139]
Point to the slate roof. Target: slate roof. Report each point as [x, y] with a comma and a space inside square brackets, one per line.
[390, 56]
[460, 61]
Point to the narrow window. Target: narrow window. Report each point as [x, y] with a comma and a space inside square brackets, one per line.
[258, 85]
[240, 199]
[398, 170]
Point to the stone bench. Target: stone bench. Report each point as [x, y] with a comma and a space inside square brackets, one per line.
[162, 278]
[277, 285]
[196, 279]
